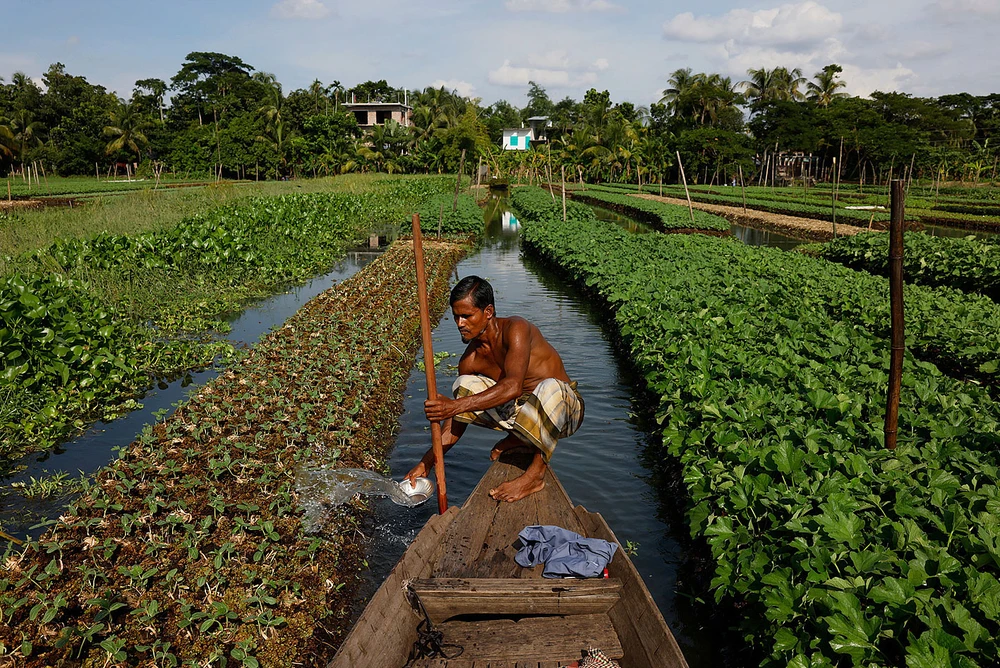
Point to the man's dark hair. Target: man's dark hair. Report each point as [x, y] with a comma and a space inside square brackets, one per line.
[479, 288]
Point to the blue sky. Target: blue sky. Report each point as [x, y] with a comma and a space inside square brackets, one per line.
[490, 49]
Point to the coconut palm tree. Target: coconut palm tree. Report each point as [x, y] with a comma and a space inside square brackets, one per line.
[825, 87]
[127, 129]
[772, 85]
[680, 83]
[24, 132]
[317, 90]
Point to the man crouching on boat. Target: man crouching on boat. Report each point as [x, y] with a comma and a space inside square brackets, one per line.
[511, 379]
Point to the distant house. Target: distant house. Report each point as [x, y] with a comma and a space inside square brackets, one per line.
[517, 139]
[370, 114]
[540, 127]
[521, 139]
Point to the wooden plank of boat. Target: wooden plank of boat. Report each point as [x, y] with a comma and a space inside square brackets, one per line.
[476, 544]
[444, 598]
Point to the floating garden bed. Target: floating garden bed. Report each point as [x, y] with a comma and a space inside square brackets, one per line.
[190, 549]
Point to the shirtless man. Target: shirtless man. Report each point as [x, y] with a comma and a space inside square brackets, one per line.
[511, 379]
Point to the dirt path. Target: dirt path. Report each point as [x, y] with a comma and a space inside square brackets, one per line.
[792, 226]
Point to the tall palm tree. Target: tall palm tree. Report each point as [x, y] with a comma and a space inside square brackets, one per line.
[6, 139]
[24, 132]
[680, 83]
[826, 86]
[127, 126]
[772, 85]
[317, 90]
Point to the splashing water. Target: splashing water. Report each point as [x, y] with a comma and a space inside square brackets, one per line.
[321, 489]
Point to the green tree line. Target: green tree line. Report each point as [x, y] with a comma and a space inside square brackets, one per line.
[220, 116]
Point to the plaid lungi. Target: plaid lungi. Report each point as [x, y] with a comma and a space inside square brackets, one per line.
[552, 411]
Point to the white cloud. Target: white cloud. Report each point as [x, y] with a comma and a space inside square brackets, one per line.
[561, 6]
[464, 88]
[863, 81]
[788, 24]
[511, 75]
[72, 40]
[601, 64]
[957, 8]
[920, 49]
[300, 9]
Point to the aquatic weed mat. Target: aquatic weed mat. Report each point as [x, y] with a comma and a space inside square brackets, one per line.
[190, 549]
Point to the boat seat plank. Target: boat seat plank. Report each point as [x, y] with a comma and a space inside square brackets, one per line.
[556, 638]
[444, 598]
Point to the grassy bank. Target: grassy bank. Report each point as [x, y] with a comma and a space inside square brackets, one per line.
[148, 210]
[190, 549]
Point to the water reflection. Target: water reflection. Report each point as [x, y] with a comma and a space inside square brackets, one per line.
[941, 231]
[754, 237]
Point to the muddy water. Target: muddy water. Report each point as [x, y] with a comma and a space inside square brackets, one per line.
[97, 447]
[601, 466]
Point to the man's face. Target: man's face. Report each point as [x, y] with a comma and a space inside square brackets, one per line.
[471, 321]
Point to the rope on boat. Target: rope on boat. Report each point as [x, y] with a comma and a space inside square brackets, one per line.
[429, 643]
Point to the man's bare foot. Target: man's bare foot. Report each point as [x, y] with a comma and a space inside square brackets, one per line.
[508, 443]
[518, 488]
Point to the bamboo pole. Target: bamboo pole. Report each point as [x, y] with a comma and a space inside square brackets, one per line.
[440, 221]
[425, 335]
[46, 177]
[743, 190]
[896, 309]
[686, 192]
[458, 181]
[909, 178]
[8, 189]
[563, 168]
[833, 201]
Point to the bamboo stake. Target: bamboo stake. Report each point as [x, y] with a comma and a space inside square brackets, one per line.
[743, 190]
[909, 178]
[686, 192]
[8, 189]
[833, 202]
[458, 181]
[46, 177]
[563, 168]
[97, 173]
[425, 335]
[896, 307]
[440, 221]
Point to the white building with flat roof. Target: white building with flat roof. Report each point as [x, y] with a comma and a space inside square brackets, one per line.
[518, 139]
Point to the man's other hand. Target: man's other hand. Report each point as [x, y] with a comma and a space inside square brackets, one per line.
[440, 409]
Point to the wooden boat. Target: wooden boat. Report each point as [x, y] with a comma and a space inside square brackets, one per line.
[460, 569]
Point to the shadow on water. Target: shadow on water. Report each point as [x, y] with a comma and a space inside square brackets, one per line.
[97, 446]
[611, 465]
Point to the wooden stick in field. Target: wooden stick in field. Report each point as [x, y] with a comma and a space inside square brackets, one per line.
[563, 168]
[425, 335]
[743, 190]
[686, 192]
[458, 182]
[898, 196]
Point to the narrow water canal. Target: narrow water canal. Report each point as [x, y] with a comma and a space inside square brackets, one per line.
[23, 506]
[601, 466]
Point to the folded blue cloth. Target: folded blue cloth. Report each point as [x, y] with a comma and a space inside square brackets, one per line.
[564, 553]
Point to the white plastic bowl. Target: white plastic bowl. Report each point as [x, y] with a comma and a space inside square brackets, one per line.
[421, 489]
